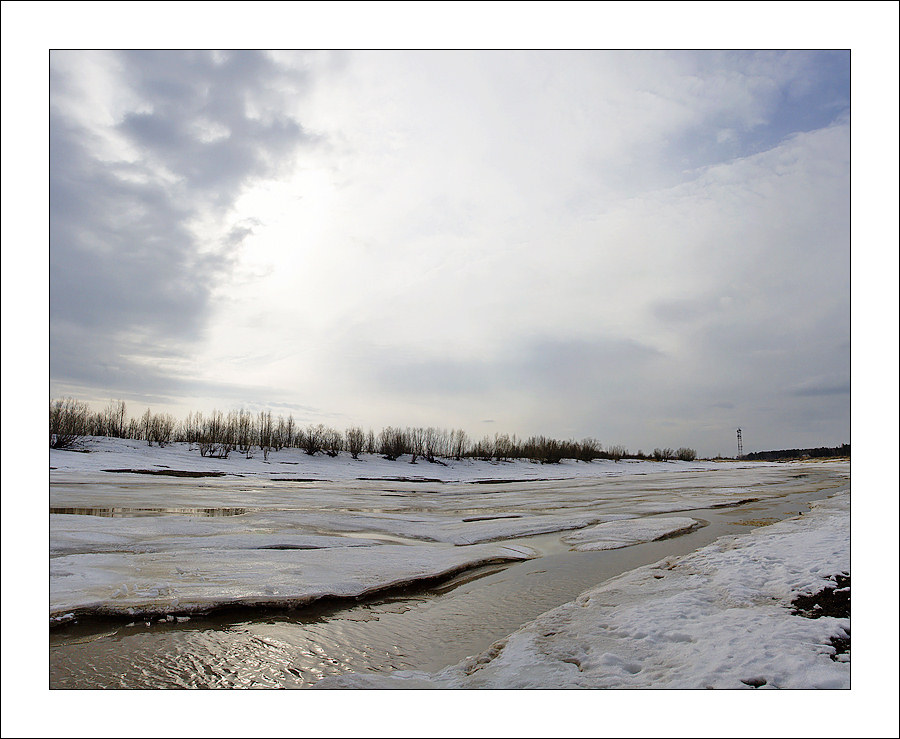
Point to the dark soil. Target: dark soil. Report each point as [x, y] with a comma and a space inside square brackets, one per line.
[841, 645]
[297, 479]
[490, 518]
[509, 481]
[171, 473]
[830, 601]
[736, 503]
[400, 479]
[755, 682]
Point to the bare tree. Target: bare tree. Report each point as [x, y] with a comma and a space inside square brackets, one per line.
[458, 443]
[333, 442]
[162, 426]
[484, 449]
[146, 423]
[503, 447]
[217, 437]
[435, 443]
[114, 419]
[416, 442]
[245, 433]
[266, 432]
[588, 449]
[312, 439]
[191, 429]
[392, 443]
[68, 422]
[290, 430]
[356, 440]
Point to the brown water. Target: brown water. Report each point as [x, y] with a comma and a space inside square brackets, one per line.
[412, 628]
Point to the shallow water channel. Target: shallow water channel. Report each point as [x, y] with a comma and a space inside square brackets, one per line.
[416, 627]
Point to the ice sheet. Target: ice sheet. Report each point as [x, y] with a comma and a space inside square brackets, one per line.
[717, 618]
[186, 581]
[618, 534]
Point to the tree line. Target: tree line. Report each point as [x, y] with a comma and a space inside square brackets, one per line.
[218, 434]
[823, 451]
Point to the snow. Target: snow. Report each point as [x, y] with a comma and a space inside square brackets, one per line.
[364, 525]
[368, 510]
[85, 534]
[186, 581]
[166, 546]
[107, 453]
[717, 618]
[618, 534]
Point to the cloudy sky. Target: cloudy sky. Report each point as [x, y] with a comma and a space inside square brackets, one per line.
[651, 248]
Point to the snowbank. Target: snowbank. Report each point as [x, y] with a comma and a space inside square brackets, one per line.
[717, 618]
[198, 580]
[98, 453]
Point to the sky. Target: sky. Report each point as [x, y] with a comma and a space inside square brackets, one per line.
[649, 248]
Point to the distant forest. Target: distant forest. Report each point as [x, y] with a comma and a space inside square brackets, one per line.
[218, 434]
[823, 451]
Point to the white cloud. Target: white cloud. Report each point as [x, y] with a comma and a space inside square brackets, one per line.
[461, 211]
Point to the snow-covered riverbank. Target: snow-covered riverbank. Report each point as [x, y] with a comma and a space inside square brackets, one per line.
[96, 454]
[721, 617]
[868, 709]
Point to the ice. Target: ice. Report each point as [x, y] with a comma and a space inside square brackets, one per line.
[618, 534]
[717, 618]
[86, 534]
[170, 526]
[180, 582]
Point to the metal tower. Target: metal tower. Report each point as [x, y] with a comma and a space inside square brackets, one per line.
[740, 445]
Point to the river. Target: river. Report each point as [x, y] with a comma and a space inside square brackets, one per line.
[415, 627]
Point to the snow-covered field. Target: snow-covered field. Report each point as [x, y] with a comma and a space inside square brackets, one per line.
[106, 453]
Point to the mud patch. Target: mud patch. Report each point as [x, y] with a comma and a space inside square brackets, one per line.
[756, 522]
[830, 601]
[139, 512]
[754, 682]
[841, 646]
[507, 482]
[400, 479]
[297, 479]
[736, 503]
[490, 518]
[170, 473]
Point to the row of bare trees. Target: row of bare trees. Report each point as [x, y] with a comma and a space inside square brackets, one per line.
[70, 419]
[217, 434]
[683, 453]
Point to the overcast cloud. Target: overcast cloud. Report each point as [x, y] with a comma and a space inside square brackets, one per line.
[649, 248]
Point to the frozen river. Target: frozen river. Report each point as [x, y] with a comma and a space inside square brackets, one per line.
[439, 567]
